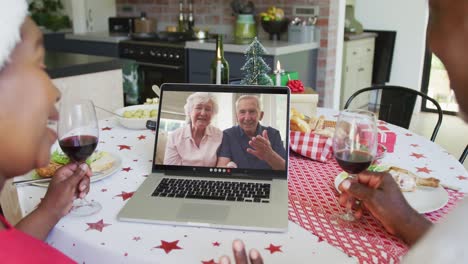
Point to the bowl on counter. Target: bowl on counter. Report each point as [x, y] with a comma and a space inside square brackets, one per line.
[275, 27]
[135, 116]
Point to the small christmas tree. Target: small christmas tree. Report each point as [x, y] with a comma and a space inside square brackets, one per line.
[255, 68]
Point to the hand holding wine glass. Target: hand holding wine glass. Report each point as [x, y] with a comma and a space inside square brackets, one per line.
[78, 137]
[355, 144]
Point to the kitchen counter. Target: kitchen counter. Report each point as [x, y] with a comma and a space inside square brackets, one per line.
[98, 37]
[63, 64]
[272, 47]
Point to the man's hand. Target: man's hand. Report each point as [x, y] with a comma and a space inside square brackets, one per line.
[240, 256]
[381, 195]
[261, 146]
[69, 182]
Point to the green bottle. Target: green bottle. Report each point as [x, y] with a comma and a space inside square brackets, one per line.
[219, 66]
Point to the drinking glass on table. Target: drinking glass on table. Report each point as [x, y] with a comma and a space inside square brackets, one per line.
[355, 145]
[78, 134]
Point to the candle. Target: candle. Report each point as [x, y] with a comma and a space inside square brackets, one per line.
[218, 72]
[278, 73]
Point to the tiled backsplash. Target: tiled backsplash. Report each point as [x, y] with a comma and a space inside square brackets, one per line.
[217, 15]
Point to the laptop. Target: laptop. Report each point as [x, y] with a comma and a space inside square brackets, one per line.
[247, 195]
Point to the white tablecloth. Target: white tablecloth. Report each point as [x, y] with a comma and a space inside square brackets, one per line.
[101, 238]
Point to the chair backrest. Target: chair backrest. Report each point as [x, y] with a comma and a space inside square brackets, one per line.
[463, 156]
[394, 105]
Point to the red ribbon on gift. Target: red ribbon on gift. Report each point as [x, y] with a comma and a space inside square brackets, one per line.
[296, 86]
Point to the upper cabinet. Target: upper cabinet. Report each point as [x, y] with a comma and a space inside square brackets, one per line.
[91, 15]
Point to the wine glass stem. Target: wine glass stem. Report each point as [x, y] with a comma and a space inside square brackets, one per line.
[349, 212]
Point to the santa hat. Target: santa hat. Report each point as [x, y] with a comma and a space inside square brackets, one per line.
[12, 15]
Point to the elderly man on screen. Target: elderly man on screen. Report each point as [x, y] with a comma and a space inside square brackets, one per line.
[249, 144]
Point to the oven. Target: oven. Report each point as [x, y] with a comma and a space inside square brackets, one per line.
[157, 62]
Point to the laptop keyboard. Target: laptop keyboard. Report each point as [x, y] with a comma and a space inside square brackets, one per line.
[214, 190]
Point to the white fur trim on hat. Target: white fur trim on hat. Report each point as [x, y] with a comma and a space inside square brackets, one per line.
[12, 15]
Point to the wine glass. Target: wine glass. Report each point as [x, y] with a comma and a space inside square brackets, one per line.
[78, 134]
[355, 145]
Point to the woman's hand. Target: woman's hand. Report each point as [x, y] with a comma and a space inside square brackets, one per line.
[240, 257]
[69, 182]
[381, 195]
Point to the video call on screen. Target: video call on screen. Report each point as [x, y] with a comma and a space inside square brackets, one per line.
[173, 119]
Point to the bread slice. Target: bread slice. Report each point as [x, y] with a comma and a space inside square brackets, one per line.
[102, 161]
[409, 181]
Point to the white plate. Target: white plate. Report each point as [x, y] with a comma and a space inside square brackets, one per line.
[423, 200]
[115, 167]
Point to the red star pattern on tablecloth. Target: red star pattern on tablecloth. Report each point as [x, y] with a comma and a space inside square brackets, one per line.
[462, 178]
[424, 169]
[408, 134]
[272, 248]
[216, 244]
[414, 145]
[106, 128]
[168, 246]
[135, 160]
[122, 147]
[137, 238]
[99, 225]
[127, 169]
[417, 155]
[125, 195]
[141, 137]
[104, 190]
[211, 261]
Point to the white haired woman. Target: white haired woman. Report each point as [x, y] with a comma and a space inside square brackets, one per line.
[196, 143]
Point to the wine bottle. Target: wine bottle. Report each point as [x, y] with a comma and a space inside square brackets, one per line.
[181, 20]
[219, 66]
[191, 21]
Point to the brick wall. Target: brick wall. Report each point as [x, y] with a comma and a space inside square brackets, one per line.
[218, 12]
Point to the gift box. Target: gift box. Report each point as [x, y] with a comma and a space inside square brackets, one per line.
[293, 75]
[310, 145]
[387, 138]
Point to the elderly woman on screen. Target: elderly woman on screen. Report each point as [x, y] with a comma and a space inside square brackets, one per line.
[196, 143]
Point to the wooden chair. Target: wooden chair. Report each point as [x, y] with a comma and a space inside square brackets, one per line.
[463, 156]
[394, 104]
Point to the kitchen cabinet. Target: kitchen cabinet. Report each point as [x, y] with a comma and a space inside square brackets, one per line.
[299, 57]
[358, 57]
[304, 62]
[58, 42]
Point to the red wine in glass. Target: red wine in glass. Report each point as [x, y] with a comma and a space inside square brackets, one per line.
[78, 133]
[79, 148]
[353, 162]
[354, 145]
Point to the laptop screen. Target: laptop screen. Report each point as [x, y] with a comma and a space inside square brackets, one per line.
[222, 130]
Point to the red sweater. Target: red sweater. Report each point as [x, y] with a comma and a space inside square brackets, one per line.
[18, 247]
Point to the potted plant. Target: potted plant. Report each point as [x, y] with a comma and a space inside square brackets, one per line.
[49, 14]
[245, 30]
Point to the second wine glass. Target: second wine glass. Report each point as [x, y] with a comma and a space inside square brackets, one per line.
[355, 144]
[78, 133]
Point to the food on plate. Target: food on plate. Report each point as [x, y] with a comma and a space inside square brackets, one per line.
[152, 101]
[318, 125]
[99, 162]
[140, 113]
[409, 181]
[48, 171]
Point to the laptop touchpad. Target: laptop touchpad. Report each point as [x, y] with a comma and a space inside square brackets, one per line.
[195, 211]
